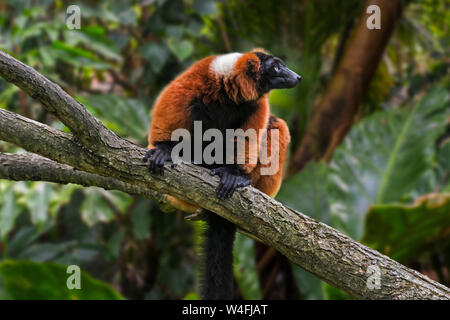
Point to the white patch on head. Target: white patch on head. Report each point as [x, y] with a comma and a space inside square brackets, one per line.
[224, 64]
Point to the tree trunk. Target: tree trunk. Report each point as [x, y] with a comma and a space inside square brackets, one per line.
[334, 114]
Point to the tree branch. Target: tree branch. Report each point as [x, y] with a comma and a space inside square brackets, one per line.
[73, 114]
[31, 167]
[312, 245]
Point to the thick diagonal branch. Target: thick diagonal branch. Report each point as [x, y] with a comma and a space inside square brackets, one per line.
[312, 245]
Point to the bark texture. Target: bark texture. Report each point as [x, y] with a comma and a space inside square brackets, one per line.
[31, 167]
[95, 150]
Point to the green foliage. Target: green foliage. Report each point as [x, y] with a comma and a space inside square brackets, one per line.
[141, 221]
[430, 18]
[24, 280]
[98, 205]
[127, 117]
[307, 192]
[444, 155]
[335, 294]
[182, 50]
[271, 24]
[443, 166]
[157, 54]
[9, 210]
[373, 165]
[311, 287]
[405, 231]
[192, 296]
[384, 159]
[245, 268]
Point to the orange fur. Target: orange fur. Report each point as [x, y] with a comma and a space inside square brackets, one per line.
[270, 184]
[245, 70]
[172, 106]
[181, 204]
[260, 50]
[259, 122]
[171, 111]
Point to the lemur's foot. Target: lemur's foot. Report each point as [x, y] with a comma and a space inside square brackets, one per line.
[230, 179]
[158, 156]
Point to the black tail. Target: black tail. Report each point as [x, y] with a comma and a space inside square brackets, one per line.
[217, 278]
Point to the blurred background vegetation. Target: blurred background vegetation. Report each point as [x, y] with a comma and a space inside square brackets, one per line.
[386, 185]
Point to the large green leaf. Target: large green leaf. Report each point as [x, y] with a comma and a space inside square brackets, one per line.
[384, 157]
[23, 239]
[381, 160]
[98, 44]
[404, 231]
[74, 50]
[48, 281]
[77, 57]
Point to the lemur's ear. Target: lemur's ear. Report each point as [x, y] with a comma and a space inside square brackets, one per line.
[245, 76]
[252, 67]
[248, 64]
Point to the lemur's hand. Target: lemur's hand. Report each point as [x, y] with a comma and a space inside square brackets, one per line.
[159, 155]
[230, 179]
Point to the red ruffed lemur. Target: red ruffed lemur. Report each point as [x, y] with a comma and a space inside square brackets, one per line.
[223, 92]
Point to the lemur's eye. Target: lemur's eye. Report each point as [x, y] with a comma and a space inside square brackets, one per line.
[276, 68]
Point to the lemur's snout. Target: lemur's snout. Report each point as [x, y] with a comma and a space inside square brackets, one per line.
[288, 79]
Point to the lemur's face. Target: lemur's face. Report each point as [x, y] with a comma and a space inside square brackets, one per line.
[275, 74]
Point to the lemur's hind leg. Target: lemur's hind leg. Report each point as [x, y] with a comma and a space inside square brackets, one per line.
[270, 183]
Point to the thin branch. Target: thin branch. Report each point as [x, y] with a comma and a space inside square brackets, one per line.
[308, 243]
[62, 147]
[31, 167]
